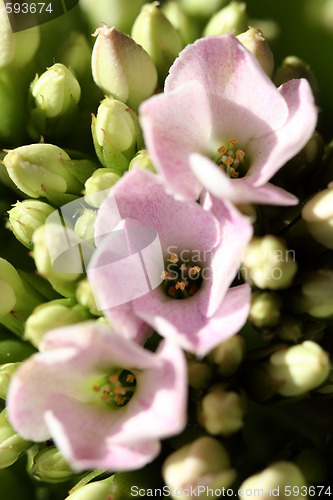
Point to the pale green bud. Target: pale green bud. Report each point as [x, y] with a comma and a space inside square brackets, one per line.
[97, 490]
[53, 314]
[200, 9]
[294, 67]
[85, 296]
[84, 226]
[299, 369]
[11, 444]
[56, 91]
[203, 462]
[230, 19]
[268, 264]
[317, 295]
[45, 170]
[222, 411]
[116, 134]
[318, 215]
[158, 37]
[228, 355]
[265, 309]
[186, 27]
[14, 350]
[75, 53]
[26, 216]
[49, 465]
[290, 329]
[97, 185]
[118, 13]
[17, 48]
[273, 481]
[254, 41]
[122, 68]
[142, 160]
[199, 374]
[6, 372]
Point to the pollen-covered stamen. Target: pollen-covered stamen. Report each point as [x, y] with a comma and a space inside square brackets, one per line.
[116, 389]
[231, 159]
[181, 279]
[174, 258]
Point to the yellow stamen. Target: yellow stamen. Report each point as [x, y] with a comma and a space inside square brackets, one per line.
[232, 142]
[195, 270]
[174, 258]
[229, 160]
[240, 154]
[130, 378]
[180, 285]
[114, 378]
[222, 150]
[164, 275]
[234, 174]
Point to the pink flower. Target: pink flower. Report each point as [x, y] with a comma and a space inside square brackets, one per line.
[189, 267]
[105, 401]
[222, 125]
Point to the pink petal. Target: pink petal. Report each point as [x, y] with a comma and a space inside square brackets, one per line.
[271, 152]
[226, 69]
[216, 181]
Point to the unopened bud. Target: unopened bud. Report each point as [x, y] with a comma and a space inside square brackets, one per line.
[203, 462]
[53, 314]
[299, 369]
[318, 215]
[122, 68]
[230, 19]
[11, 444]
[118, 13]
[85, 296]
[96, 187]
[290, 328]
[84, 225]
[26, 216]
[142, 160]
[253, 40]
[222, 411]
[199, 374]
[265, 309]
[98, 490]
[268, 264]
[14, 350]
[228, 355]
[186, 27]
[49, 465]
[294, 67]
[317, 295]
[158, 37]
[6, 372]
[276, 477]
[202, 10]
[75, 53]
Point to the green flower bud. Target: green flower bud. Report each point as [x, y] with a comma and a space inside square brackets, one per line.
[26, 216]
[122, 68]
[97, 490]
[49, 465]
[46, 170]
[118, 13]
[273, 480]
[222, 411]
[6, 372]
[313, 466]
[290, 329]
[230, 19]
[53, 314]
[116, 133]
[200, 9]
[158, 37]
[97, 185]
[317, 295]
[11, 444]
[199, 374]
[187, 28]
[14, 350]
[318, 215]
[86, 298]
[254, 41]
[203, 462]
[75, 53]
[268, 264]
[265, 309]
[142, 160]
[84, 226]
[299, 369]
[17, 48]
[228, 355]
[294, 67]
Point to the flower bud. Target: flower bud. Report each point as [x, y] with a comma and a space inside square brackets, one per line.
[158, 37]
[97, 490]
[253, 40]
[318, 215]
[268, 264]
[265, 309]
[14, 350]
[222, 411]
[273, 480]
[228, 355]
[203, 462]
[118, 13]
[53, 314]
[199, 374]
[122, 68]
[115, 131]
[290, 329]
[317, 295]
[84, 225]
[294, 67]
[187, 28]
[200, 9]
[6, 372]
[49, 465]
[26, 216]
[75, 53]
[299, 368]
[85, 297]
[11, 444]
[97, 186]
[230, 19]
[142, 160]
[46, 170]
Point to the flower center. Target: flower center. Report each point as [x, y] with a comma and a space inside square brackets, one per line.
[232, 159]
[116, 389]
[181, 278]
